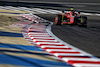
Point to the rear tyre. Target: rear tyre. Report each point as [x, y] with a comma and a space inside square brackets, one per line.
[58, 19]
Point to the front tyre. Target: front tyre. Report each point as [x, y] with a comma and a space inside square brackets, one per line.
[58, 19]
[82, 21]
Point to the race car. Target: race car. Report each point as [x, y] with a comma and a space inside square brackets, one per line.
[72, 18]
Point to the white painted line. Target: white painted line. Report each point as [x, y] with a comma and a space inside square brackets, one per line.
[97, 14]
[40, 11]
[86, 14]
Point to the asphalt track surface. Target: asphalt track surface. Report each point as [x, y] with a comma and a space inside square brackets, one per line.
[79, 5]
[84, 1]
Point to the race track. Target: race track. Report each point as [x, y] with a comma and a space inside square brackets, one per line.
[84, 38]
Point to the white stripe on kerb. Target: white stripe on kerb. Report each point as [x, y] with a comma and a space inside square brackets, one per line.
[42, 37]
[44, 40]
[68, 54]
[49, 43]
[80, 59]
[32, 33]
[86, 65]
[61, 50]
[54, 46]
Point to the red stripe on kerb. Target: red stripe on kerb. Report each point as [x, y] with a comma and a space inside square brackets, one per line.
[90, 62]
[42, 39]
[74, 56]
[40, 36]
[64, 52]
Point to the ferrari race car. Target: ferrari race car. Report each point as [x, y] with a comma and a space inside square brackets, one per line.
[71, 18]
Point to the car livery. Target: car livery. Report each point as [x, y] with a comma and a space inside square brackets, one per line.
[71, 18]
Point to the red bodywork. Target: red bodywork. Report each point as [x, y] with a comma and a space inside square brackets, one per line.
[70, 16]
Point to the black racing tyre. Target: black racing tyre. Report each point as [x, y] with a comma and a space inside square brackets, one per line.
[82, 21]
[58, 19]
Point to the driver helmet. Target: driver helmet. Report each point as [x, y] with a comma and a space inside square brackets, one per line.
[71, 9]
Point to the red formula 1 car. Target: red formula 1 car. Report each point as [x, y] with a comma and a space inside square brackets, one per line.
[71, 18]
